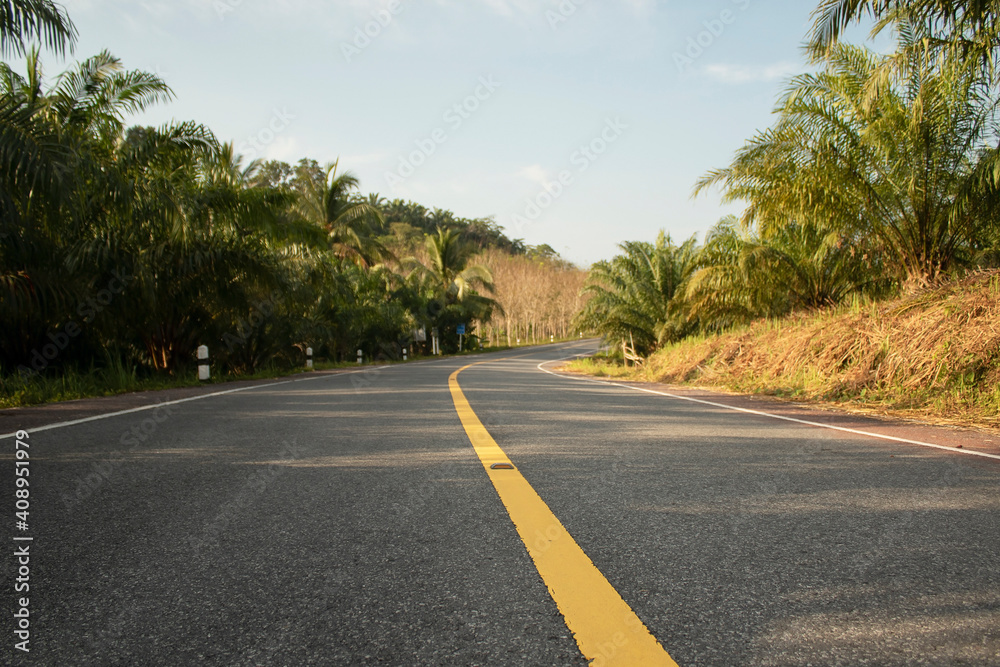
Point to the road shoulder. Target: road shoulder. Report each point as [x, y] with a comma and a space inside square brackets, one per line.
[982, 440]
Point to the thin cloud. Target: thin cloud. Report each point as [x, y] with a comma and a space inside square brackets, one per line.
[534, 173]
[538, 7]
[751, 73]
[283, 148]
[363, 159]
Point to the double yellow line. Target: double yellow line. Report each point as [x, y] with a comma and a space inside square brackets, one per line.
[606, 629]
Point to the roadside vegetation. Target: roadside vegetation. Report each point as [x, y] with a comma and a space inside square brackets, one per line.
[860, 266]
[934, 354]
[124, 248]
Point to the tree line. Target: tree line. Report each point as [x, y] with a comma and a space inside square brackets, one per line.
[131, 246]
[879, 175]
[539, 294]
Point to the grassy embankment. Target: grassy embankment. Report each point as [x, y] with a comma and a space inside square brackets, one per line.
[932, 355]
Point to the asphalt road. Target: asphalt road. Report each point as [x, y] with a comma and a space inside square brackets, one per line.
[346, 519]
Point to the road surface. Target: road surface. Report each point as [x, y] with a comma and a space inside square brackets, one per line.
[348, 519]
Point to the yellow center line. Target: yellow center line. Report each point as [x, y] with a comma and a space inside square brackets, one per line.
[606, 629]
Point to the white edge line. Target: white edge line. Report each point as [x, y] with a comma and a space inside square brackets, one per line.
[764, 414]
[154, 406]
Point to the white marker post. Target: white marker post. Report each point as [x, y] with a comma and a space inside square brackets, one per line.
[404, 354]
[204, 372]
[309, 358]
[361, 357]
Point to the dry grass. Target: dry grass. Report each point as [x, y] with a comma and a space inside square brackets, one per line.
[599, 367]
[935, 354]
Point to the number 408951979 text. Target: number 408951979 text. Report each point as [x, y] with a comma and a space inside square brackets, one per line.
[22, 553]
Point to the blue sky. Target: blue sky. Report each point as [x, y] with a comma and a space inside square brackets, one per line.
[487, 102]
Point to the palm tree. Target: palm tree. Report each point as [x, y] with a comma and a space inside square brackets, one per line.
[968, 28]
[48, 137]
[448, 259]
[195, 244]
[450, 286]
[170, 208]
[351, 224]
[909, 167]
[742, 276]
[59, 184]
[632, 295]
[23, 21]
